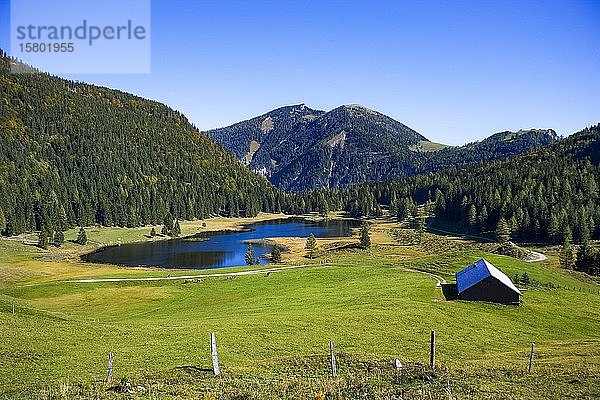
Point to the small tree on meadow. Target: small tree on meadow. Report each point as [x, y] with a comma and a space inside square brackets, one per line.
[249, 257]
[311, 246]
[365, 235]
[82, 236]
[276, 254]
[43, 239]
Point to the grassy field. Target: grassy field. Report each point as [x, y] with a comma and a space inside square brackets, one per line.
[273, 331]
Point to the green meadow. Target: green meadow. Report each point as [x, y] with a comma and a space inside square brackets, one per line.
[273, 330]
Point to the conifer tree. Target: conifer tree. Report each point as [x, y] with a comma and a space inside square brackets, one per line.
[176, 229]
[420, 223]
[167, 228]
[566, 253]
[311, 246]
[472, 218]
[585, 252]
[43, 239]
[276, 254]
[365, 235]
[249, 257]
[82, 236]
[2, 221]
[502, 231]
[483, 218]
[59, 238]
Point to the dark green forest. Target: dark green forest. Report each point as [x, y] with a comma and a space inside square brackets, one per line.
[77, 154]
[541, 194]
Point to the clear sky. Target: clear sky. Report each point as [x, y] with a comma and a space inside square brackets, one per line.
[456, 71]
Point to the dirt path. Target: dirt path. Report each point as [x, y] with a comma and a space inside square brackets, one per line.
[440, 281]
[536, 256]
[172, 278]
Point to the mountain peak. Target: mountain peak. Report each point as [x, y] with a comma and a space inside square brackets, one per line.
[298, 148]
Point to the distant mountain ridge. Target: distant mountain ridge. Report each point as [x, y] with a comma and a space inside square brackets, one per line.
[299, 148]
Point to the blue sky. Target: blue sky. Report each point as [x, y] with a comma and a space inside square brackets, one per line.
[456, 71]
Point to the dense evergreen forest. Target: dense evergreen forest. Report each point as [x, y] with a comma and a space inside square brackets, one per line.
[77, 154]
[541, 194]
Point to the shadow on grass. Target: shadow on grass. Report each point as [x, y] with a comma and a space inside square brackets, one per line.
[194, 369]
[450, 291]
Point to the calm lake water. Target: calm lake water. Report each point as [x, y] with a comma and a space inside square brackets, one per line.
[214, 250]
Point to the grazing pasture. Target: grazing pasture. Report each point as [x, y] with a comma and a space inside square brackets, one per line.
[273, 330]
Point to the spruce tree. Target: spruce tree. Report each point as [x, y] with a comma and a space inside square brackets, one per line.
[365, 235]
[9, 230]
[566, 253]
[2, 221]
[43, 239]
[420, 223]
[584, 254]
[59, 238]
[168, 227]
[483, 218]
[502, 231]
[152, 232]
[176, 229]
[276, 254]
[472, 217]
[249, 257]
[82, 236]
[311, 246]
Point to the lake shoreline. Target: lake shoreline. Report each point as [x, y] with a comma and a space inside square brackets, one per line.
[182, 253]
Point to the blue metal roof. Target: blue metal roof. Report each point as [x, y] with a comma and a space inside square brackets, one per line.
[477, 272]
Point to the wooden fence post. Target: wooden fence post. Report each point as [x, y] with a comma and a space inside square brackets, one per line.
[531, 357]
[432, 350]
[110, 368]
[215, 355]
[332, 353]
[13, 308]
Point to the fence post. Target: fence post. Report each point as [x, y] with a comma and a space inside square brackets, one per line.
[110, 368]
[332, 353]
[531, 357]
[432, 350]
[215, 355]
[13, 308]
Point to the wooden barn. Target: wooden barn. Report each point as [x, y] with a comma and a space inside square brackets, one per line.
[482, 281]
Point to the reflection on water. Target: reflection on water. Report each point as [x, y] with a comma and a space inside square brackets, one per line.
[213, 250]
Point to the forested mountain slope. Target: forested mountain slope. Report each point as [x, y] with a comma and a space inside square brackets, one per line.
[73, 153]
[546, 194]
[299, 148]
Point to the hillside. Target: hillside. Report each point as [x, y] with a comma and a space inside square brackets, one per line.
[543, 195]
[497, 146]
[299, 148]
[78, 154]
